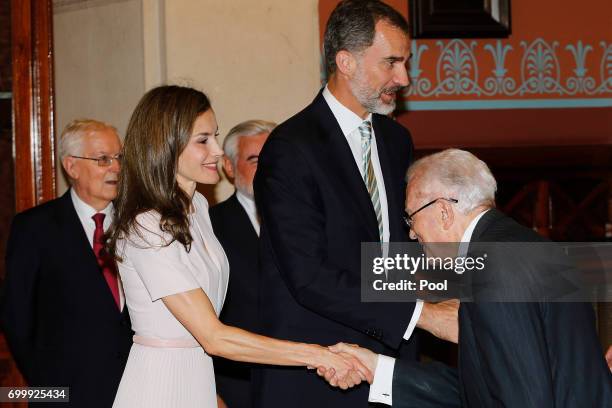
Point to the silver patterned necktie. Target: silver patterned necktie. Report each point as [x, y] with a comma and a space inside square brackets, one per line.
[365, 129]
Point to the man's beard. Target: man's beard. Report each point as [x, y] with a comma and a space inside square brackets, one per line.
[370, 98]
[244, 187]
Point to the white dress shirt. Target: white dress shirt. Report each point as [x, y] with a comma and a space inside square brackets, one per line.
[85, 212]
[381, 389]
[349, 122]
[249, 206]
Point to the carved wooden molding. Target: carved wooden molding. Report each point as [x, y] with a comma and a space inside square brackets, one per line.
[32, 44]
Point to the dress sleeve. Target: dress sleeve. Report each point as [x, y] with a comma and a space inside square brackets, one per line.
[163, 269]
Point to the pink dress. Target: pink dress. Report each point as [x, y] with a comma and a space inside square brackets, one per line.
[168, 377]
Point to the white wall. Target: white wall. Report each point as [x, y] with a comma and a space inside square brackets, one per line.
[98, 63]
[254, 58]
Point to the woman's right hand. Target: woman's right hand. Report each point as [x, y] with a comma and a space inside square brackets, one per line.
[194, 310]
[367, 357]
[342, 369]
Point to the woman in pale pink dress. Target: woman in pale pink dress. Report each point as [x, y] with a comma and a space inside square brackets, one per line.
[174, 270]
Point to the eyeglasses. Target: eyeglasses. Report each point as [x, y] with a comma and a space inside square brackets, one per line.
[103, 161]
[408, 218]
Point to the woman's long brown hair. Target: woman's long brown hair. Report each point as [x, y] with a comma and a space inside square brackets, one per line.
[157, 133]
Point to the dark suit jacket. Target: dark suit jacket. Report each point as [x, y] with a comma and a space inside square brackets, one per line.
[537, 354]
[315, 212]
[59, 316]
[240, 242]
[513, 354]
[425, 385]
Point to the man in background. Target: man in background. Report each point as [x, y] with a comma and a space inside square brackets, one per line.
[236, 225]
[64, 314]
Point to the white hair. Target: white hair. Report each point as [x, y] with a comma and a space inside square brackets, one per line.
[244, 129]
[71, 140]
[455, 173]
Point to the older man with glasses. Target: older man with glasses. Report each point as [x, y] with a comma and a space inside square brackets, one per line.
[514, 351]
[63, 312]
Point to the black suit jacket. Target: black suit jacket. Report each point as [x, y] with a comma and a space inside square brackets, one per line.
[240, 242]
[512, 354]
[315, 212]
[519, 354]
[425, 385]
[59, 316]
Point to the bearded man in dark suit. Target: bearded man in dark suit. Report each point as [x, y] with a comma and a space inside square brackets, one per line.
[328, 179]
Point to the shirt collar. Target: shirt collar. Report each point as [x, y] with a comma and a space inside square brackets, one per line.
[347, 119]
[467, 235]
[86, 211]
[247, 202]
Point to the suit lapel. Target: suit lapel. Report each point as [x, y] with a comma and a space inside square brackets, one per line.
[340, 158]
[385, 166]
[82, 258]
[242, 218]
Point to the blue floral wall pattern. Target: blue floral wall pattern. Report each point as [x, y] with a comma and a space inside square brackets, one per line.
[542, 74]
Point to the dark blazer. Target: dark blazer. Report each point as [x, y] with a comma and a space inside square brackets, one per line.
[240, 242]
[513, 354]
[425, 385]
[315, 212]
[59, 316]
[537, 354]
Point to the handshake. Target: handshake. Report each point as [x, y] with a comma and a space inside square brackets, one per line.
[346, 365]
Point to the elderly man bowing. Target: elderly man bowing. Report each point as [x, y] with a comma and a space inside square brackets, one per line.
[63, 312]
[512, 352]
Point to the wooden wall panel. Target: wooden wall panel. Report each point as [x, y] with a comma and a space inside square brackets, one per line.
[33, 102]
[31, 80]
[8, 373]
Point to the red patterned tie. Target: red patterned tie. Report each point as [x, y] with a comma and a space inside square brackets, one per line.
[107, 264]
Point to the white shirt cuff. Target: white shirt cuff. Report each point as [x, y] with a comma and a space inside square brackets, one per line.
[381, 390]
[418, 308]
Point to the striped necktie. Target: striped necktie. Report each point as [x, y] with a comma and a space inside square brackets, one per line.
[368, 172]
